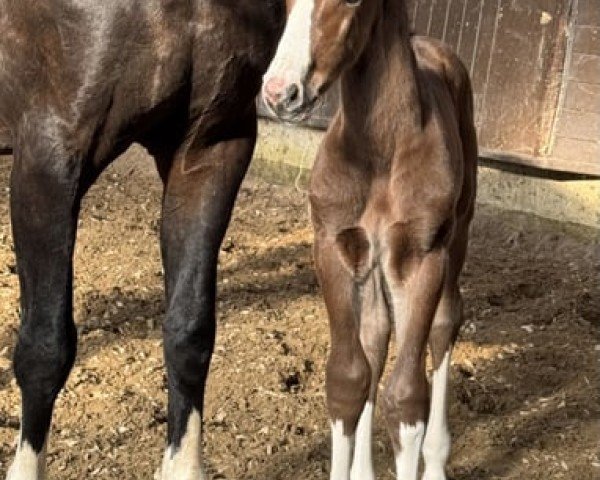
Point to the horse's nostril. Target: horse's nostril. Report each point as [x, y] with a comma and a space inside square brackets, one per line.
[292, 93]
[293, 96]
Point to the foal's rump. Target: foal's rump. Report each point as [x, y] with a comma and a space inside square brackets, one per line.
[439, 59]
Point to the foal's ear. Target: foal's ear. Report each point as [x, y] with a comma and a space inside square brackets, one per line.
[355, 251]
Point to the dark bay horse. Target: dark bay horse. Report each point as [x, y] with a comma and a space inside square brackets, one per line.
[80, 80]
[392, 195]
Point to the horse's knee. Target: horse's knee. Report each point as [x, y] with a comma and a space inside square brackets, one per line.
[405, 401]
[43, 359]
[445, 327]
[188, 350]
[348, 384]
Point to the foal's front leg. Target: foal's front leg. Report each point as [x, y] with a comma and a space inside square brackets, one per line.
[348, 372]
[415, 281]
[201, 185]
[45, 197]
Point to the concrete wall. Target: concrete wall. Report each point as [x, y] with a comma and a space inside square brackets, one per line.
[286, 154]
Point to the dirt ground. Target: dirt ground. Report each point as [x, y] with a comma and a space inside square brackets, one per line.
[525, 402]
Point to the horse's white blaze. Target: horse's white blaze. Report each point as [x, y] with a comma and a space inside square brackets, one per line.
[341, 452]
[292, 59]
[362, 465]
[407, 460]
[27, 464]
[436, 447]
[185, 463]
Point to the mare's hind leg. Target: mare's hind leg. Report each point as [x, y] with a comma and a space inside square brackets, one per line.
[201, 185]
[348, 375]
[45, 198]
[374, 337]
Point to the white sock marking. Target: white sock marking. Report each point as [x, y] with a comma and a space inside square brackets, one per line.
[27, 465]
[407, 461]
[292, 59]
[362, 465]
[186, 462]
[436, 447]
[341, 452]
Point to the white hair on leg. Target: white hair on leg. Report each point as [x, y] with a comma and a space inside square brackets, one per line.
[341, 451]
[185, 462]
[27, 465]
[362, 465]
[407, 460]
[436, 447]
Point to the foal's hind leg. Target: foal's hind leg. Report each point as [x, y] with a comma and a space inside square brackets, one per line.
[45, 198]
[436, 446]
[446, 324]
[201, 184]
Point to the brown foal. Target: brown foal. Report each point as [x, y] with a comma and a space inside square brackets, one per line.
[392, 195]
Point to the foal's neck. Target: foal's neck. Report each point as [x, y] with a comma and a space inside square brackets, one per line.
[381, 102]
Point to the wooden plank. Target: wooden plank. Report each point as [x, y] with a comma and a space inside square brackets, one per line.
[422, 22]
[522, 58]
[579, 125]
[582, 96]
[482, 60]
[5, 140]
[467, 37]
[451, 33]
[412, 6]
[575, 155]
[438, 18]
[585, 68]
[588, 12]
[587, 40]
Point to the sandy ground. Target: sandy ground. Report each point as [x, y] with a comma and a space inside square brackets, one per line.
[525, 403]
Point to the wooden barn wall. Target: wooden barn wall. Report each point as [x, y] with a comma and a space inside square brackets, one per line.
[577, 132]
[5, 140]
[514, 51]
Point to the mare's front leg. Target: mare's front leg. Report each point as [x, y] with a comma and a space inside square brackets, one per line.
[415, 279]
[201, 185]
[45, 198]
